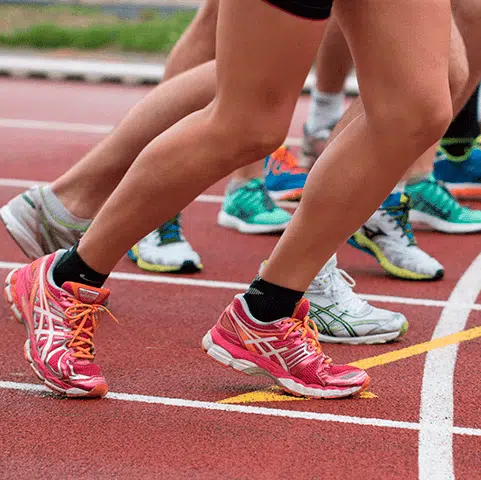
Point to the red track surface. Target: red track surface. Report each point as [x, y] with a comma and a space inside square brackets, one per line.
[155, 350]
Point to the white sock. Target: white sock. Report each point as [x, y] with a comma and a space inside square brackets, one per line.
[57, 210]
[325, 110]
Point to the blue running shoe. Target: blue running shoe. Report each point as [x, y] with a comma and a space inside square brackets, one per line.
[284, 179]
[461, 175]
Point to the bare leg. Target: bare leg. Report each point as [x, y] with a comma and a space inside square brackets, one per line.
[327, 103]
[334, 61]
[197, 44]
[377, 146]
[215, 141]
[458, 77]
[85, 187]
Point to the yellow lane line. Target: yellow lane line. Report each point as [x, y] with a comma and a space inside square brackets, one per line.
[418, 349]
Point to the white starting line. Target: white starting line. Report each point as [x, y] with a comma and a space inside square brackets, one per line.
[270, 412]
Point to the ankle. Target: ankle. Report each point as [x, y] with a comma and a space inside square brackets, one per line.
[72, 268]
[268, 302]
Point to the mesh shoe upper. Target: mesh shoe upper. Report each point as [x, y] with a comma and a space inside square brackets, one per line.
[341, 314]
[390, 230]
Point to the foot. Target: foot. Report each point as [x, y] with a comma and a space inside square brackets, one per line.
[388, 237]
[249, 209]
[313, 144]
[35, 228]
[284, 178]
[166, 250]
[286, 351]
[342, 317]
[432, 204]
[60, 324]
[462, 175]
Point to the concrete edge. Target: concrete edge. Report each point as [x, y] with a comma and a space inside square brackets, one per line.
[94, 71]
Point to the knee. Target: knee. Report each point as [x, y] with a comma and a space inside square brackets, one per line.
[420, 119]
[432, 115]
[249, 136]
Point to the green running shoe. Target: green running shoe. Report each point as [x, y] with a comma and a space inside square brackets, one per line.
[249, 209]
[434, 205]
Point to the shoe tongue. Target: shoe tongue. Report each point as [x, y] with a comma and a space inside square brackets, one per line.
[329, 267]
[86, 293]
[302, 309]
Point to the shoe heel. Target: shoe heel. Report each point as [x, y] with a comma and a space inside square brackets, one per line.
[224, 358]
[7, 292]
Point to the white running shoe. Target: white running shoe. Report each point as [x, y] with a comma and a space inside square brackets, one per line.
[166, 250]
[35, 227]
[342, 317]
[388, 237]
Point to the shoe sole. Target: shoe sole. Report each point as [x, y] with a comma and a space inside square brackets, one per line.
[187, 267]
[293, 195]
[22, 237]
[368, 339]
[441, 225]
[225, 358]
[234, 223]
[468, 191]
[361, 242]
[98, 391]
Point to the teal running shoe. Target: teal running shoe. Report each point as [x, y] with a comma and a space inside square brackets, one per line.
[432, 204]
[250, 209]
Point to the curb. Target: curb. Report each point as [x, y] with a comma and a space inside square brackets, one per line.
[94, 71]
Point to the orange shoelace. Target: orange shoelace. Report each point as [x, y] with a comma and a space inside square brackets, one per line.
[284, 155]
[79, 314]
[309, 333]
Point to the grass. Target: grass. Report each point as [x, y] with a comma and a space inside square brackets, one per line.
[89, 28]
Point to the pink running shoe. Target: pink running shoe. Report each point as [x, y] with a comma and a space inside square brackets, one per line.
[286, 351]
[60, 323]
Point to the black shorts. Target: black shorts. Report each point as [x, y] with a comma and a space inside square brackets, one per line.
[311, 9]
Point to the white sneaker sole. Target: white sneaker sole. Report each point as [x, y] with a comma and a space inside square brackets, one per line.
[223, 357]
[366, 340]
[229, 221]
[23, 237]
[442, 225]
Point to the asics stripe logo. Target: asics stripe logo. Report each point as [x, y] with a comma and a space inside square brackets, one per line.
[287, 358]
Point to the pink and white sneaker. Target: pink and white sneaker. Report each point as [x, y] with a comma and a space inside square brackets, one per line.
[60, 323]
[286, 351]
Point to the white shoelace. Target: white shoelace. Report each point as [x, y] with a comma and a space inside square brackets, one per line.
[338, 284]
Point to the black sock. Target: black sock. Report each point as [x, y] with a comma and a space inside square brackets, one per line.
[268, 302]
[71, 268]
[463, 129]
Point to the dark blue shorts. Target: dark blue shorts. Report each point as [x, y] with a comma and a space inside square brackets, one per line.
[311, 9]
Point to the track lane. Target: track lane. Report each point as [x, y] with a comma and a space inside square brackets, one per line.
[155, 328]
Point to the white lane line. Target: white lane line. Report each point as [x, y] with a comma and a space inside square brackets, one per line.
[192, 282]
[435, 454]
[204, 198]
[24, 124]
[96, 128]
[271, 412]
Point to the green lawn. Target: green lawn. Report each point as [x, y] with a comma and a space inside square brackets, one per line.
[88, 28]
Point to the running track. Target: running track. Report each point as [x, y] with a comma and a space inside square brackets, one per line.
[164, 419]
